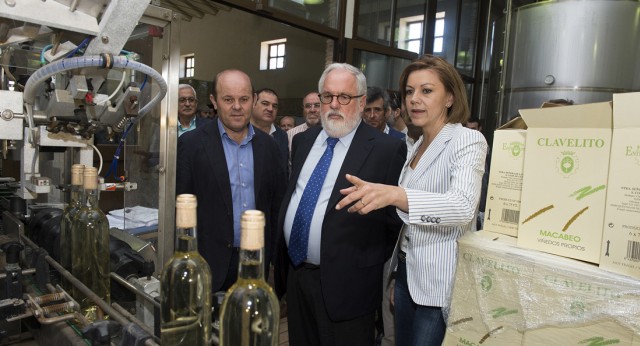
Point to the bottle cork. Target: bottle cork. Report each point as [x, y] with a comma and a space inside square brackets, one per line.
[186, 211]
[252, 230]
[76, 174]
[90, 176]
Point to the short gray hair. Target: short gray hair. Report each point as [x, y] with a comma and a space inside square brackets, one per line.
[360, 78]
[187, 86]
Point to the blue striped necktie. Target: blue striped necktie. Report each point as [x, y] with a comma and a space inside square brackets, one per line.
[299, 238]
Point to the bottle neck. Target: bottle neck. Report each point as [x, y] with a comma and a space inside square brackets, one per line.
[251, 264]
[91, 198]
[76, 194]
[186, 239]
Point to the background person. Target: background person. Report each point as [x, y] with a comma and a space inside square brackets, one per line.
[287, 122]
[263, 117]
[310, 113]
[187, 109]
[376, 111]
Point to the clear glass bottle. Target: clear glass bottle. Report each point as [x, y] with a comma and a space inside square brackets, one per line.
[185, 284]
[68, 214]
[90, 247]
[250, 312]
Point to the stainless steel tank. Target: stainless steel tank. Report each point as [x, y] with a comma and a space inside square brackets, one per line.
[581, 50]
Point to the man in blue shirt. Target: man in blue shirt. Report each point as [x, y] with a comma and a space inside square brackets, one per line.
[230, 167]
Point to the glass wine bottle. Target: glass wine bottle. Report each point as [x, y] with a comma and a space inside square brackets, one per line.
[69, 213]
[250, 312]
[185, 284]
[90, 247]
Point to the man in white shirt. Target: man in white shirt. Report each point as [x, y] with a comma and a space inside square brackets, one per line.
[311, 114]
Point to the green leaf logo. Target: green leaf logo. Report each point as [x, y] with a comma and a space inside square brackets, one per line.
[599, 341]
[516, 149]
[486, 283]
[567, 164]
[499, 312]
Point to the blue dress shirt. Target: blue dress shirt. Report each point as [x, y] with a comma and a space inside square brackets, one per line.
[240, 165]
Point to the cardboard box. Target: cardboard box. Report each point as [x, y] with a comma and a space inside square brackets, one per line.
[621, 231]
[502, 210]
[565, 179]
[505, 295]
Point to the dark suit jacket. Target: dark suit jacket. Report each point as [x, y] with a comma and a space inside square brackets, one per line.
[201, 170]
[395, 133]
[354, 247]
[200, 121]
[283, 146]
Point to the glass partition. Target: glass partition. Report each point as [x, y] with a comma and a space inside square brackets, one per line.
[467, 37]
[381, 70]
[324, 12]
[409, 25]
[374, 21]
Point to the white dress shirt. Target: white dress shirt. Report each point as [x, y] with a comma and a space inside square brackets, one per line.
[315, 231]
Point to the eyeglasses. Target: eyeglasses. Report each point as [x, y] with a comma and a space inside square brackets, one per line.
[311, 105]
[185, 99]
[343, 99]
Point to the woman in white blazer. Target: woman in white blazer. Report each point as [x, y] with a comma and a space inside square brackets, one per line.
[437, 197]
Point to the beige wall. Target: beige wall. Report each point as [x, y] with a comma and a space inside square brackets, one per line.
[232, 40]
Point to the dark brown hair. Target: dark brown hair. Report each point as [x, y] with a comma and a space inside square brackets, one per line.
[450, 78]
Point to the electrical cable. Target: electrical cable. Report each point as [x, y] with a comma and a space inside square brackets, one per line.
[44, 49]
[73, 52]
[115, 92]
[99, 156]
[113, 168]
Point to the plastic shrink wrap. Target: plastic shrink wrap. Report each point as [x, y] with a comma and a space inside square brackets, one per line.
[505, 295]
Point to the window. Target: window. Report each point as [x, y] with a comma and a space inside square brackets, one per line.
[415, 35]
[189, 66]
[438, 38]
[272, 54]
[276, 56]
[411, 33]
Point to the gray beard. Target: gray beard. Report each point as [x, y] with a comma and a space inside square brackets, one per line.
[338, 128]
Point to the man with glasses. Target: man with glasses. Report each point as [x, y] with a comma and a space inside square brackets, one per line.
[329, 262]
[311, 114]
[187, 109]
[376, 112]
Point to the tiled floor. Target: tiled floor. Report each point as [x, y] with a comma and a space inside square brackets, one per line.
[284, 332]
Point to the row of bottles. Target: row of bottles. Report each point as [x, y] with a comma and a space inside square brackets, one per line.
[250, 310]
[84, 240]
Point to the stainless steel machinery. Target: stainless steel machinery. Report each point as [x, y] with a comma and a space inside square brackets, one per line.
[69, 80]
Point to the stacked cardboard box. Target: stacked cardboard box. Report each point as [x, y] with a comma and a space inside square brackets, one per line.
[565, 177]
[502, 211]
[621, 232]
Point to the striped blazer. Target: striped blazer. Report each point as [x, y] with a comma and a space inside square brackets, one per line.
[443, 194]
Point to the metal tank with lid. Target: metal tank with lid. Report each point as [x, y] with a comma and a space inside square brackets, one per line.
[581, 50]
